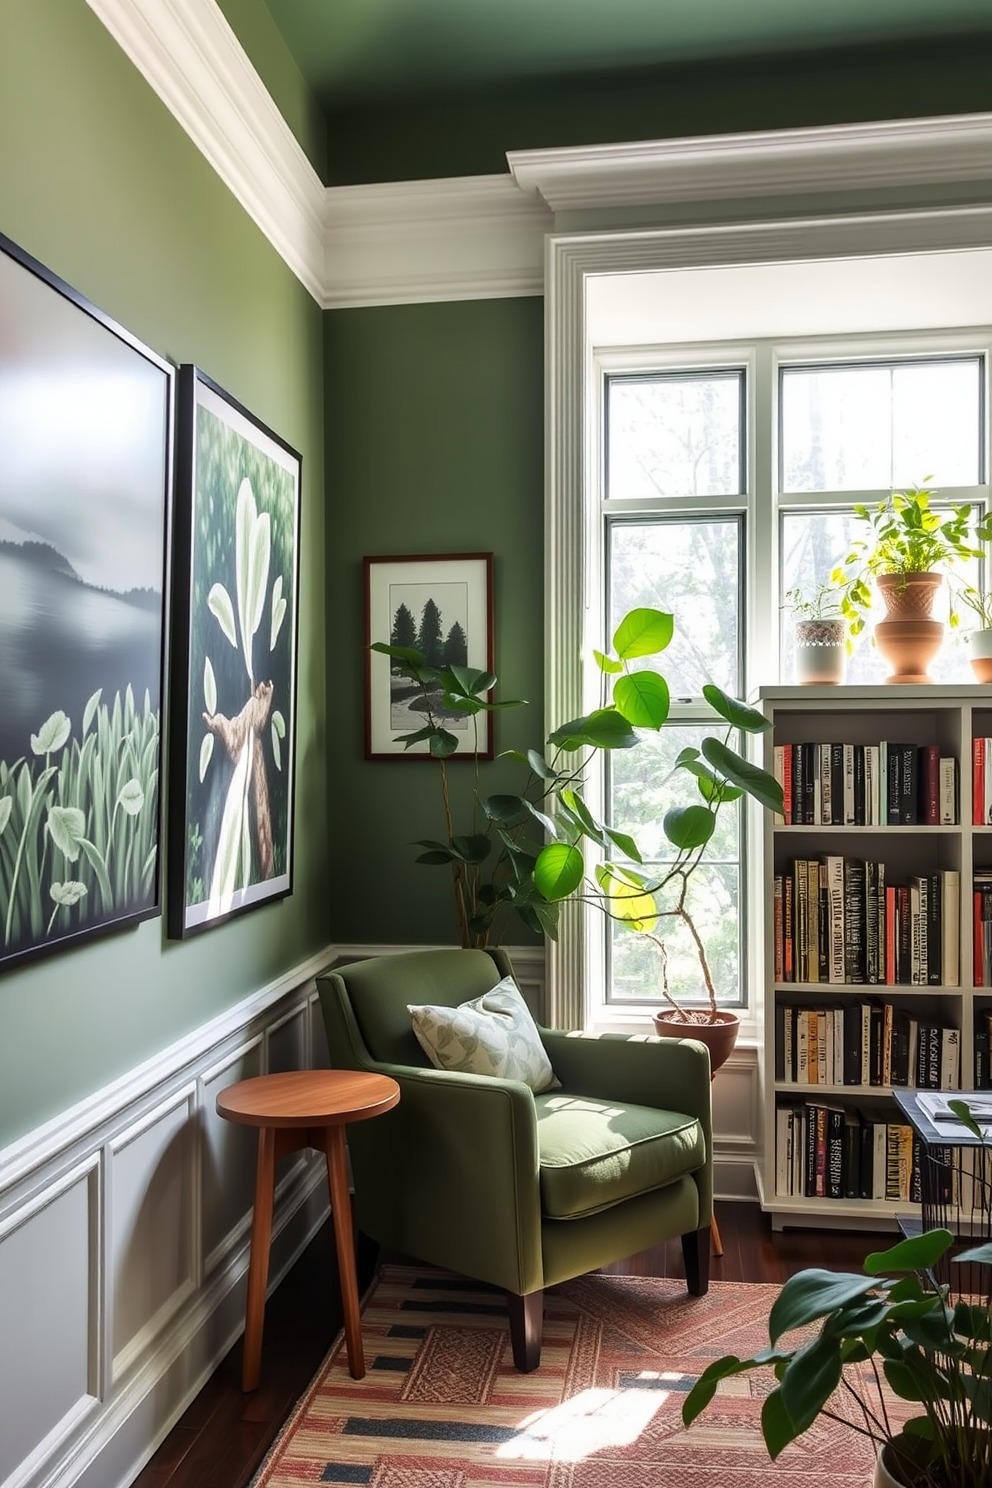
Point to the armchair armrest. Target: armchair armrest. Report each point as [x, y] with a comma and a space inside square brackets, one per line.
[673, 1074]
[451, 1174]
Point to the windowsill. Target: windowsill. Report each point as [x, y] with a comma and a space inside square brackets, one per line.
[638, 1021]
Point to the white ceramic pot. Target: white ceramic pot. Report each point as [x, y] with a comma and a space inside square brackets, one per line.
[821, 655]
[980, 654]
[883, 1478]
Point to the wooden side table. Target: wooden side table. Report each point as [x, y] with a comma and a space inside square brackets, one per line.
[303, 1108]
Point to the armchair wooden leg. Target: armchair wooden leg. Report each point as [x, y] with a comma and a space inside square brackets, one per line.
[526, 1327]
[696, 1256]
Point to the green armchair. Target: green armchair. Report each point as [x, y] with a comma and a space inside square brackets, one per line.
[485, 1178]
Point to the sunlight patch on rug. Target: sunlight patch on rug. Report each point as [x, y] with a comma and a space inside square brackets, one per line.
[441, 1405]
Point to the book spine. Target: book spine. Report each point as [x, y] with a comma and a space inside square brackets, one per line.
[890, 935]
[835, 917]
[778, 771]
[854, 920]
[930, 785]
[894, 794]
[787, 784]
[848, 784]
[935, 924]
[788, 929]
[778, 929]
[837, 785]
[871, 923]
[909, 786]
[977, 781]
[948, 811]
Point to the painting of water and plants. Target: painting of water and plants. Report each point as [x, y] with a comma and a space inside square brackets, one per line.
[85, 446]
[237, 545]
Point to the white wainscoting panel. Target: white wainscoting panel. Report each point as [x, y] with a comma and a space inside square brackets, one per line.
[49, 1328]
[124, 1245]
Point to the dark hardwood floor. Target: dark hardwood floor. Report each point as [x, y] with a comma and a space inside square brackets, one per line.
[223, 1436]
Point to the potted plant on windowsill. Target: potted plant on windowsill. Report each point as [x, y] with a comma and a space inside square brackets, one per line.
[907, 552]
[979, 641]
[818, 635]
[900, 1322]
[526, 853]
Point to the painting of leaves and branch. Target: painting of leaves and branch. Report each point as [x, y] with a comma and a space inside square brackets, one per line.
[85, 471]
[235, 642]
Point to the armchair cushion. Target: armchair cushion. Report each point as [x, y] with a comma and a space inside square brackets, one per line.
[596, 1153]
[493, 1034]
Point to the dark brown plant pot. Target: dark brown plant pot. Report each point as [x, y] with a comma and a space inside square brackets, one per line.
[718, 1031]
[908, 647]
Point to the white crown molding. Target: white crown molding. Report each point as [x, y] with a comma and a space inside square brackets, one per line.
[479, 237]
[192, 59]
[469, 237]
[913, 152]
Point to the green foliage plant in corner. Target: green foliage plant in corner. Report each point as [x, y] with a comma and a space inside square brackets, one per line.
[894, 1323]
[526, 853]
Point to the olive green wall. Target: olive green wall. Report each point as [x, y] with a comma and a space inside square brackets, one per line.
[434, 445]
[100, 183]
[470, 134]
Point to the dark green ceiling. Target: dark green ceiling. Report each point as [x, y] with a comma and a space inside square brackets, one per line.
[355, 52]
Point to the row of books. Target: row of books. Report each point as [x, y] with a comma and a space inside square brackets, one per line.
[981, 920]
[838, 920]
[866, 785]
[825, 1151]
[866, 1042]
[983, 1049]
[981, 782]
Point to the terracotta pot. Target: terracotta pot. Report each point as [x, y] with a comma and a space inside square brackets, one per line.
[908, 647]
[719, 1035]
[821, 656]
[980, 654]
[908, 596]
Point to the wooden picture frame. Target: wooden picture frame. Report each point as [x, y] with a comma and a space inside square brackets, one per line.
[451, 594]
[86, 421]
[235, 648]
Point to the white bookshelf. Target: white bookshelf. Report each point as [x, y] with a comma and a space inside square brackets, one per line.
[948, 716]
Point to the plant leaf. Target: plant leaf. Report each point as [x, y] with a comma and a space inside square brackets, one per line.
[219, 605]
[739, 715]
[606, 663]
[739, 771]
[52, 734]
[6, 807]
[643, 632]
[688, 827]
[643, 699]
[224, 878]
[558, 870]
[67, 828]
[92, 703]
[604, 729]
[209, 686]
[131, 797]
[278, 612]
[206, 750]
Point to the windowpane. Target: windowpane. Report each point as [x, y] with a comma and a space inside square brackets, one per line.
[636, 962]
[690, 569]
[882, 426]
[641, 791]
[813, 543]
[674, 435]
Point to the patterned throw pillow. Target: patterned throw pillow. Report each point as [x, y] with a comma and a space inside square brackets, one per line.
[492, 1035]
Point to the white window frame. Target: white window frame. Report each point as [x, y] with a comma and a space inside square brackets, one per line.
[573, 462]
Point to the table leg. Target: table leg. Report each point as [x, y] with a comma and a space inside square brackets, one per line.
[258, 1265]
[337, 1177]
[715, 1237]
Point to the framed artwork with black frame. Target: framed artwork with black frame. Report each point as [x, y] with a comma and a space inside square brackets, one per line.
[86, 417]
[442, 605]
[235, 640]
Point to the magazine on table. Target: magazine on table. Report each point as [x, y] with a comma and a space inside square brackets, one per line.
[937, 1105]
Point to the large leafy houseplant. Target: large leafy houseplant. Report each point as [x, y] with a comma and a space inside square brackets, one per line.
[894, 1323]
[525, 853]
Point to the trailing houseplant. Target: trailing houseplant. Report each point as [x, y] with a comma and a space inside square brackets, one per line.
[896, 1323]
[525, 853]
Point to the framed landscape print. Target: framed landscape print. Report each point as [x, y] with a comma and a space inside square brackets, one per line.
[233, 739]
[85, 475]
[443, 607]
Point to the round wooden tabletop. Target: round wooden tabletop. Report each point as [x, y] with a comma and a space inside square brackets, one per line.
[308, 1098]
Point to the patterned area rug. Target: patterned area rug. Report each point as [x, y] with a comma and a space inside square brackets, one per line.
[441, 1405]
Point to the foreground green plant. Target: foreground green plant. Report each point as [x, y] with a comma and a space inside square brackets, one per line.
[526, 853]
[931, 1351]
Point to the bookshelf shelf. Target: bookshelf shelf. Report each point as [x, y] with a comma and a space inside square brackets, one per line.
[906, 888]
